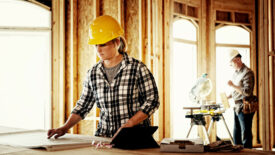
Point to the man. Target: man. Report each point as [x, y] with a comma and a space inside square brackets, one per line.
[122, 87]
[242, 84]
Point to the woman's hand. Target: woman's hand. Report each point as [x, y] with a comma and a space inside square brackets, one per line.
[126, 125]
[57, 132]
[230, 83]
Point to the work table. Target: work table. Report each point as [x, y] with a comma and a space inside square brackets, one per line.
[10, 150]
[113, 151]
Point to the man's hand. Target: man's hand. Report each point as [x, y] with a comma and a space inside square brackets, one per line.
[237, 88]
[230, 83]
[57, 132]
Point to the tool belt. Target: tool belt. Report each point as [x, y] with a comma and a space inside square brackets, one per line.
[250, 105]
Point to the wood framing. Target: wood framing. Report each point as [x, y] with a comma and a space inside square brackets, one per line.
[147, 26]
[143, 30]
[58, 66]
[167, 9]
[211, 56]
[71, 59]
[272, 91]
[263, 74]
[86, 56]
[158, 63]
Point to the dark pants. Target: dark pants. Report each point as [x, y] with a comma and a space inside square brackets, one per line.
[242, 134]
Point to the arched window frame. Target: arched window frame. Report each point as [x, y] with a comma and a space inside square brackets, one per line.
[185, 41]
[235, 45]
[194, 23]
[32, 29]
[229, 113]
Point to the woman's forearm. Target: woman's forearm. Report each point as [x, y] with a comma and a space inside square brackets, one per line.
[136, 119]
[73, 120]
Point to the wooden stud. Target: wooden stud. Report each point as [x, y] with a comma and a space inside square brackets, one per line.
[131, 27]
[121, 15]
[58, 67]
[86, 56]
[72, 94]
[96, 111]
[263, 74]
[272, 69]
[143, 30]
[96, 8]
[168, 9]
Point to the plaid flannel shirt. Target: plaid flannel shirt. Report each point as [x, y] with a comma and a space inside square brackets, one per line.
[133, 89]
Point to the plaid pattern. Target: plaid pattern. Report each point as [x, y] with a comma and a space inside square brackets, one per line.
[244, 78]
[133, 89]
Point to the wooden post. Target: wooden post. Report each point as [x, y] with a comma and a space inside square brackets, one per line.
[167, 47]
[58, 66]
[263, 74]
[272, 68]
[71, 61]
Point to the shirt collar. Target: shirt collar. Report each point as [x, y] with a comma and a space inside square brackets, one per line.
[126, 60]
[242, 68]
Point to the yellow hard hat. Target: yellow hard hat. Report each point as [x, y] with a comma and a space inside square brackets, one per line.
[103, 29]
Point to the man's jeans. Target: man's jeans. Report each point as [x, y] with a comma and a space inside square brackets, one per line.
[242, 134]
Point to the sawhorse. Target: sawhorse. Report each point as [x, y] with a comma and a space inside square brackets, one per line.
[197, 119]
[215, 118]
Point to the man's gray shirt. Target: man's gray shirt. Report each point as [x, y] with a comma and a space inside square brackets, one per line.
[245, 79]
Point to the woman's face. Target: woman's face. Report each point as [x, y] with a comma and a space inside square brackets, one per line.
[107, 51]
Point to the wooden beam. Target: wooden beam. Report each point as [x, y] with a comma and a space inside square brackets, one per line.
[158, 25]
[202, 37]
[232, 45]
[96, 8]
[272, 70]
[71, 69]
[121, 15]
[211, 56]
[150, 37]
[40, 4]
[58, 66]
[263, 74]
[132, 26]
[168, 12]
[254, 67]
[143, 30]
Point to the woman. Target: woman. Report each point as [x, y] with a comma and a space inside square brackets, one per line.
[122, 87]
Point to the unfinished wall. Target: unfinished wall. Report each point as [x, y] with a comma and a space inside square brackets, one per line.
[79, 56]
[266, 59]
[147, 26]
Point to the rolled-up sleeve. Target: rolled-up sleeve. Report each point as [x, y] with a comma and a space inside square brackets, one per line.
[86, 101]
[148, 91]
[248, 84]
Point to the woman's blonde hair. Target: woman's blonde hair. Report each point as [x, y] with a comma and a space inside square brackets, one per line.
[123, 45]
